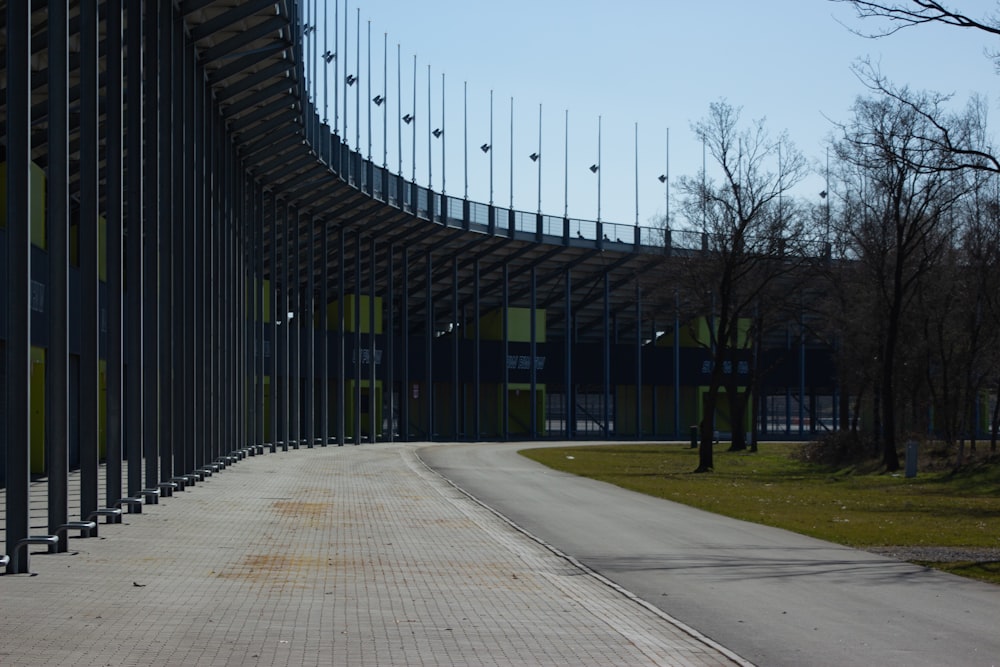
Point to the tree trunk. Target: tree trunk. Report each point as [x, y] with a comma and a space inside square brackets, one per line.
[996, 418]
[845, 408]
[856, 417]
[973, 428]
[877, 426]
[890, 457]
[705, 460]
[737, 409]
[705, 450]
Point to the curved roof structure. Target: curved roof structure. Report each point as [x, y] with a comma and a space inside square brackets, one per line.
[251, 53]
[197, 266]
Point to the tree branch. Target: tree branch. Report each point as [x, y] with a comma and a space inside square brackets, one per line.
[917, 12]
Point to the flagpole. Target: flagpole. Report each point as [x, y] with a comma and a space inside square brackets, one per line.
[357, 91]
[336, 69]
[512, 152]
[399, 110]
[315, 46]
[347, 21]
[444, 137]
[598, 169]
[667, 180]
[465, 133]
[385, 91]
[704, 194]
[414, 121]
[566, 170]
[430, 181]
[369, 89]
[539, 158]
[326, 73]
[637, 173]
[306, 27]
[490, 148]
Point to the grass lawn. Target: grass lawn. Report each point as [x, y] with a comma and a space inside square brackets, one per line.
[773, 487]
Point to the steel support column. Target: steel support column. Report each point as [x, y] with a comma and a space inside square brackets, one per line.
[505, 412]
[324, 322]
[18, 409]
[226, 348]
[341, 378]
[200, 251]
[372, 291]
[135, 382]
[654, 422]
[456, 333]
[569, 399]
[533, 412]
[802, 373]
[274, 314]
[57, 204]
[190, 389]
[114, 234]
[638, 359]
[429, 343]
[295, 330]
[356, 353]
[206, 223]
[179, 213]
[310, 342]
[476, 369]
[151, 294]
[218, 140]
[286, 342]
[390, 342]
[89, 251]
[404, 400]
[226, 344]
[259, 314]
[167, 275]
[606, 354]
[677, 365]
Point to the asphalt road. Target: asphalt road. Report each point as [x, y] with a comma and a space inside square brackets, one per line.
[773, 597]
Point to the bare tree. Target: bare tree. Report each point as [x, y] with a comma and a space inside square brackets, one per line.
[748, 244]
[948, 143]
[903, 226]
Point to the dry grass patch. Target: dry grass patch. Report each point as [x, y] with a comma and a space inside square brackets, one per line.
[776, 488]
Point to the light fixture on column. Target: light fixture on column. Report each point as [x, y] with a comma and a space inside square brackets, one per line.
[378, 99]
[594, 168]
[534, 157]
[407, 119]
[662, 178]
[329, 56]
[437, 133]
[485, 148]
[351, 79]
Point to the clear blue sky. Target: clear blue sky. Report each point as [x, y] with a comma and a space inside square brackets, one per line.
[658, 63]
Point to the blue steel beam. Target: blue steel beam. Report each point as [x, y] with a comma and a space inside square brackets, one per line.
[243, 38]
[228, 18]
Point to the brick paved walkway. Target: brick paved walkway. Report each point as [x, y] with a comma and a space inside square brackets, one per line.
[330, 556]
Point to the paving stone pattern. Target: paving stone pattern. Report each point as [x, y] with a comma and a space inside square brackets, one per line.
[329, 556]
